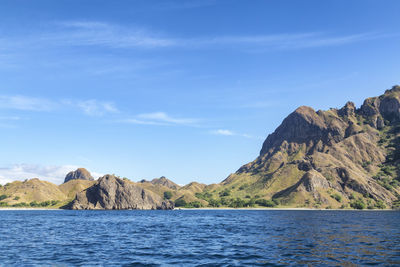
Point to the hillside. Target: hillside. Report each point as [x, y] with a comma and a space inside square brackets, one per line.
[162, 181]
[32, 191]
[327, 159]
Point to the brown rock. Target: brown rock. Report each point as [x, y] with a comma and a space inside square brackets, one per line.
[80, 173]
[112, 193]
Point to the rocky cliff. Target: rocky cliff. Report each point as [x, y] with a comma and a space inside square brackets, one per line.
[79, 174]
[163, 181]
[316, 158]
[111, 192]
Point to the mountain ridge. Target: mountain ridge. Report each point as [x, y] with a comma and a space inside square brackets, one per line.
[340, 148]
[338, 158]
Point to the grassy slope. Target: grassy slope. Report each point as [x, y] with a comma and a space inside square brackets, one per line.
[37, 193]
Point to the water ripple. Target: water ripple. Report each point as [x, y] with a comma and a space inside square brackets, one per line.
[199, 238]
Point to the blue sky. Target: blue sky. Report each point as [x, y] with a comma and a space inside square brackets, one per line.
[185, 89]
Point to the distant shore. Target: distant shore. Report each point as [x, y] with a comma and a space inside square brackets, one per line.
[177, 209]
[13, 208]
[284, 209]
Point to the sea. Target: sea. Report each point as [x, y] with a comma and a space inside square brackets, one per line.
[199, 238]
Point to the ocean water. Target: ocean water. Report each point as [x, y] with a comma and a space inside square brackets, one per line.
[199, 238]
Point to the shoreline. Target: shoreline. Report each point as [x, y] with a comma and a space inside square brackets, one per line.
[288, 209]
[13, 208]
[222, 209]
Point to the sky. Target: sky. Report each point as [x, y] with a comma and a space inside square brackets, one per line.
[183, 89]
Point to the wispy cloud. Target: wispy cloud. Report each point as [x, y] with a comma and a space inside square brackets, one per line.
[95, 108]
[91, 107]
[19, 102]
[6, 121]
[104, 34]
[187, 4]
[222, 132]
[225, 132]
[9, 118]
[160, 118]
[292, 41]
[90, 33]
[164, 117]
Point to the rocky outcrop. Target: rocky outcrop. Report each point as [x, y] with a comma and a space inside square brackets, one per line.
[79, 174]
[301, 126]
[164, 182]
[112, 193]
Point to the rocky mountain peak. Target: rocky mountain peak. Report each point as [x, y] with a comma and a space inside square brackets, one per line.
[165, 182]
[348, 151]
[80, 173]
[301, 126]
[348, 109]
[305, 126]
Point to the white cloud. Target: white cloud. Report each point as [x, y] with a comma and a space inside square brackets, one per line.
[95, 33]
[222, 132]
[96, 108]
[98, 33]
[163, 117]
[225, 132]
[103, 34]
[291, 41]
[159, 118]
[9, 118]
[20, 172]
[143, 122]
[89, 33]
[91, 107]
[19, 102]
[5, 121]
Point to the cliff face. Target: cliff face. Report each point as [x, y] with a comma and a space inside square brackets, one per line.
[79, 174]
[162, 181]
[110, 192]
[314, 156]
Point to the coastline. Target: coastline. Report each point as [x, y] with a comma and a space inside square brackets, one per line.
[13, 208]
[222, 209]
[285, 209]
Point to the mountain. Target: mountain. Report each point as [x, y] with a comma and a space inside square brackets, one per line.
[111, 192]
[164, 182]
[79, 174]
[332, 158]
